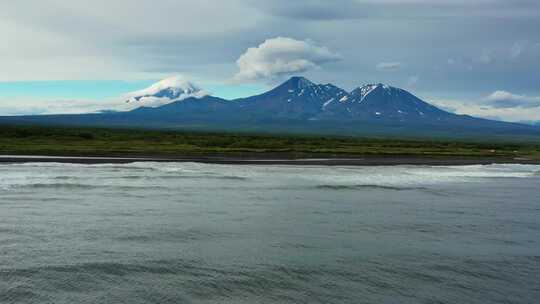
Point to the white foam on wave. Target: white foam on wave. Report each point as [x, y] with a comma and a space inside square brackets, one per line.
[16, 175]
[479, 171]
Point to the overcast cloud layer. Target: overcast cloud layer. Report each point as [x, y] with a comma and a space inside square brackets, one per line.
[459, 50]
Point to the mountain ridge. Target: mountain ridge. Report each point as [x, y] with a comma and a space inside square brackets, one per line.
[297, 105]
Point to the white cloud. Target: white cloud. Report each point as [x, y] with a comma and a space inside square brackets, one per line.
[172, 89]
[516, 50]
[81, 40]
[480, 109]
[500, 105]
[389, 66]
[35, 106]
[282, 56]
[505, 100]
[524, 48]
[486, 57]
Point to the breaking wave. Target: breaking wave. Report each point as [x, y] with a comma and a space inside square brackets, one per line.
[153, 175]
[367, 187]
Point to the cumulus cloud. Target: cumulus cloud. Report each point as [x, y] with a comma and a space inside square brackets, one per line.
[504, 100]
[282, 56]
[389, 66]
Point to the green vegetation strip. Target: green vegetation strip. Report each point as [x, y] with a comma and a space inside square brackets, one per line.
[33, 140]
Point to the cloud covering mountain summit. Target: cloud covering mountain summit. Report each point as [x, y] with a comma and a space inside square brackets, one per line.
[175, 88]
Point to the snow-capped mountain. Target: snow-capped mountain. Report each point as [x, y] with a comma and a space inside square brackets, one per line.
[297, 105]
[381, 101]
[166, 91]
[297, 98]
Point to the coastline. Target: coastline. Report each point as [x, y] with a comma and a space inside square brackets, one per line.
[262, 160]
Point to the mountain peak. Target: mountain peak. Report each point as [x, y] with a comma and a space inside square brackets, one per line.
[299, 82]
[370, 86]
[363, 91]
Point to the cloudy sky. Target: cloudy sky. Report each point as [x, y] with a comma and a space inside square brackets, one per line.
[480, 57]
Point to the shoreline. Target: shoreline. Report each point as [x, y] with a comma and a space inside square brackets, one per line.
[230, 160]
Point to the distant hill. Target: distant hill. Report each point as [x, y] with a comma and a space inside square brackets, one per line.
[296, 106]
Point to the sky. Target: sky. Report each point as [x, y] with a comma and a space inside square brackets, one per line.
[478, 57]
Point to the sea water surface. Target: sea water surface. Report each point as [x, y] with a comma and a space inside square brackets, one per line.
[201, 233]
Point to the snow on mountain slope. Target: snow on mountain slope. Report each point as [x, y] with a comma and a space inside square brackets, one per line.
[383, 101]
[297, 98]
[166, 91]
[296, 105]
[362, 92]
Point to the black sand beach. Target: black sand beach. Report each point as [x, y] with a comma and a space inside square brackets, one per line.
[251, 160]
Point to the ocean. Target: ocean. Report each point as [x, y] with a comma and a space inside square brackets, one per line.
[203, 233]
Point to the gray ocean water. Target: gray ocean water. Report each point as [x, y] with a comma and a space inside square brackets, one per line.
[198, 233]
